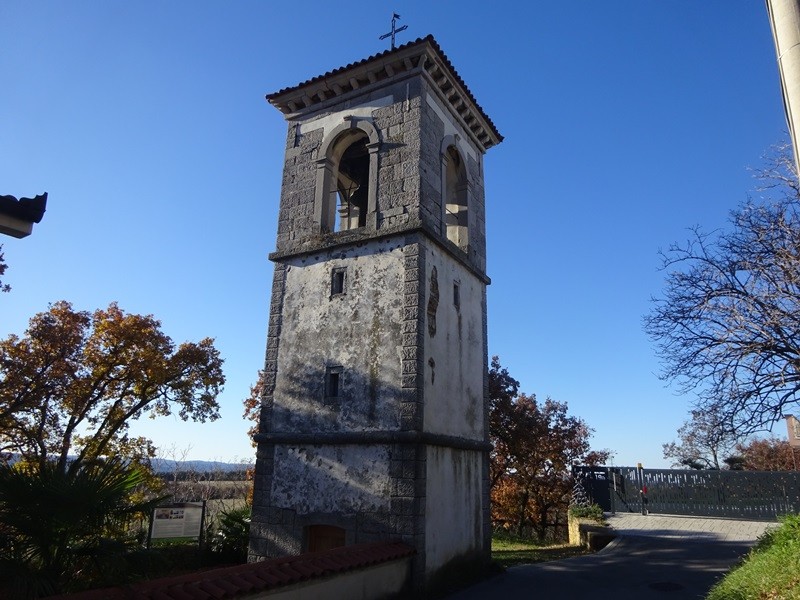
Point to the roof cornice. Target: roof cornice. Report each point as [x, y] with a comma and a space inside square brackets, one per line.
[421, 55]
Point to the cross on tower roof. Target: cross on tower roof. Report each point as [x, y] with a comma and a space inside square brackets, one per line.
[392, 33]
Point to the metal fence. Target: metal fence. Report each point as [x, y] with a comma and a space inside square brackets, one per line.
[751, 495]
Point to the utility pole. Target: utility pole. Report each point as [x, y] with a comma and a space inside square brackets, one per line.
[784, 18]
[793, 431]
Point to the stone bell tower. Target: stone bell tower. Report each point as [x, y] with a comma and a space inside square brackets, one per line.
[374, 422]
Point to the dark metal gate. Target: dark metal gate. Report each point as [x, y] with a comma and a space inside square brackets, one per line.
[751, 495]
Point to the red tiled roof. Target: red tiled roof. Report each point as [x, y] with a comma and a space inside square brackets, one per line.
[429, 39]
[242, 580]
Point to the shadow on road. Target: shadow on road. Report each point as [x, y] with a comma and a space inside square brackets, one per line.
[632, 567]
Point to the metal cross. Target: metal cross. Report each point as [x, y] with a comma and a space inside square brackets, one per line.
[391, 34]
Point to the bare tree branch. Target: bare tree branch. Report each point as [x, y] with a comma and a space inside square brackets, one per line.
[728, 324]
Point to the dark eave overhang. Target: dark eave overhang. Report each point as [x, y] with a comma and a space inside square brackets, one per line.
[18, 216]
[420, 56]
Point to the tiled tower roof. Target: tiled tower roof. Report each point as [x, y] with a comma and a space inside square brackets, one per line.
[421, 55]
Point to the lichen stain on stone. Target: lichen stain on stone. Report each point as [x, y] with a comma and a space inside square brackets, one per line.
[471, 414]
[372, 384]
[473, 336]
[432, 365]
[433, 302]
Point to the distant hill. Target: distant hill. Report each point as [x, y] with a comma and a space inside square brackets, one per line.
[164, 465]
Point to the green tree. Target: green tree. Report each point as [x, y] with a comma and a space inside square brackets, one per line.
[70, 387]
[728, 324]
[61, 530]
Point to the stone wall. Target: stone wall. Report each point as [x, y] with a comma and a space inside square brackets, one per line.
[454, 348]
[453, 510]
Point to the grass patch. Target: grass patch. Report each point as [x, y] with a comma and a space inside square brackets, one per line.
[508, 551]
[770, 571]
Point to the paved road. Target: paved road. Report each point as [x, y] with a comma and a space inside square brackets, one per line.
[654, 556]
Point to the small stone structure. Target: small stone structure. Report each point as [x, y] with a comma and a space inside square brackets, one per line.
[374, 424]
[589, 533]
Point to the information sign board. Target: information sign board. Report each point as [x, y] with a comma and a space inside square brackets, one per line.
[181, 520]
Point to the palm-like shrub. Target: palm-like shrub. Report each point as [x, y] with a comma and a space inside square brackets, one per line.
[230, 539]
[63, 529]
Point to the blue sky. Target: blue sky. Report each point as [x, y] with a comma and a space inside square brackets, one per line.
[625, 123]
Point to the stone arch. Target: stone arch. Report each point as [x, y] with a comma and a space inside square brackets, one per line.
[347, 177]
[455, 193]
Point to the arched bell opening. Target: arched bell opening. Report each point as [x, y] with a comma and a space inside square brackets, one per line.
[456, 213]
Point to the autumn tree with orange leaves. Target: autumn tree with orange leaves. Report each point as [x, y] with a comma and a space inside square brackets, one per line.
[766, 454]
[252, 404]
[73, 383]
[534, 446]
[252, 413]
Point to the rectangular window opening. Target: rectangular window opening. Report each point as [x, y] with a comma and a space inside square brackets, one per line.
[333, 382]
[456, 294]
[338, 281]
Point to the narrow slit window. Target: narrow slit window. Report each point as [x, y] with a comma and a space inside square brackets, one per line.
[338, 281]
[333, 382]
[456, 294]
